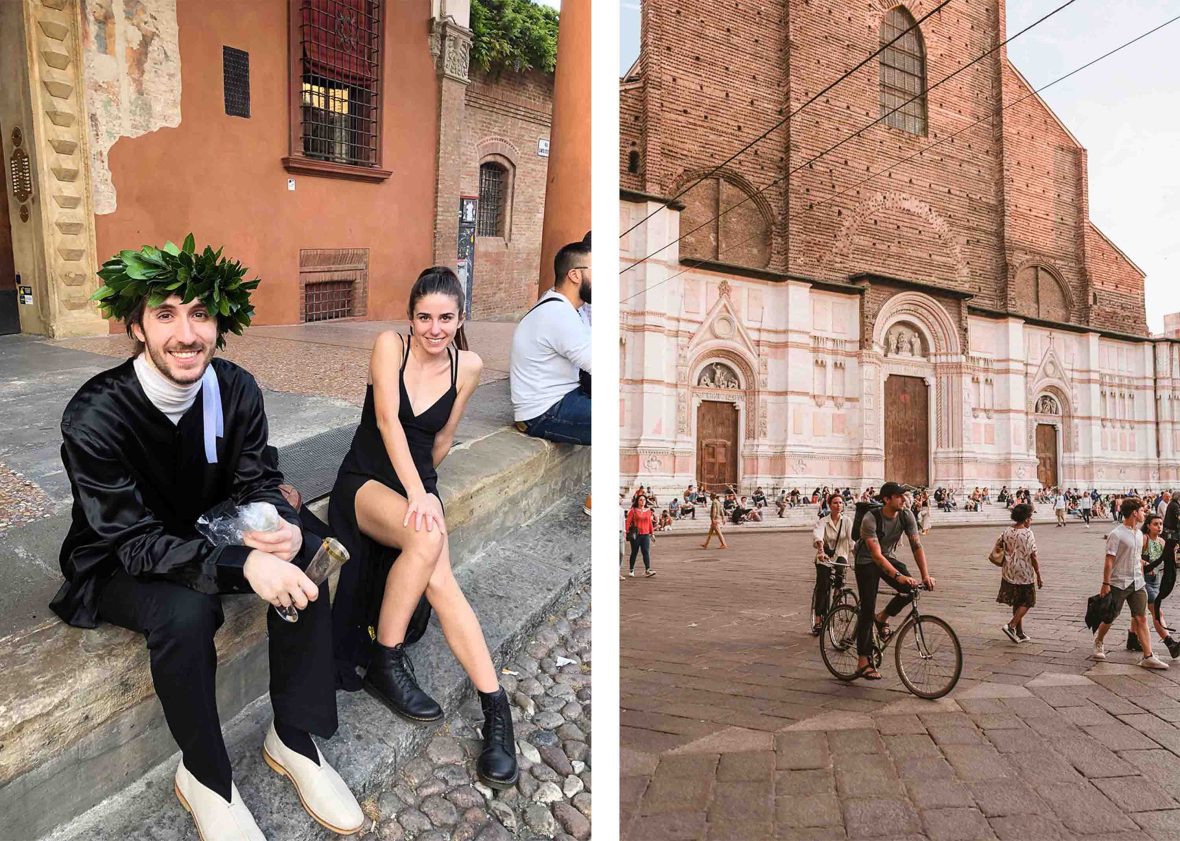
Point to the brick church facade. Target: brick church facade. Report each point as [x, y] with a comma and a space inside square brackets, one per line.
[955, 320]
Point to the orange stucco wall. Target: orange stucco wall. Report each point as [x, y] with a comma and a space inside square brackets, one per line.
[222, 177]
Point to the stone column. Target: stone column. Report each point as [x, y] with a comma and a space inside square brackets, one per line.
[567, 186]
[451, 45]
[43, 114]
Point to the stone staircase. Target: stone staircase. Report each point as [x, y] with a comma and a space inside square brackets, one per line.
[803, 518]
[84, 750]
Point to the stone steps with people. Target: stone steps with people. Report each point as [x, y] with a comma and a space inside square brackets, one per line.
[80, 721]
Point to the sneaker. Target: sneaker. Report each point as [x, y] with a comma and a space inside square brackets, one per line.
[631, 574]
[649, 573]
[1173, 646]
[586, 506]
[1023, 637]
[1153, 662]
[1010, 632]
[1133, 642]
[1099, 651]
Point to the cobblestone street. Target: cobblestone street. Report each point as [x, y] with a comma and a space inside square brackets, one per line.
[733, 728]
[437, 796]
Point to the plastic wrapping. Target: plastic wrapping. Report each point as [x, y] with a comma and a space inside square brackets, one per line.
[225, 524]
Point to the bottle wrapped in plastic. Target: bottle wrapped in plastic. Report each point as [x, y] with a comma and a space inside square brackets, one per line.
[328, 558]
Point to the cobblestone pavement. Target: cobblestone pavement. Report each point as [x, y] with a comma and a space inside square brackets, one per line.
[21, 501]
[330, 359]
[437, 796]
[733, 728]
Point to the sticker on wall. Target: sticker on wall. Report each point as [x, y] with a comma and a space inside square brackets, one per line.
[26, 295]
[543, 147]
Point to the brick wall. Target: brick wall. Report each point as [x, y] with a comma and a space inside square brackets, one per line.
[969, 214]
[506, 115]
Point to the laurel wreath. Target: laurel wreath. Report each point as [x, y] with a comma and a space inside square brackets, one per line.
[158, 273]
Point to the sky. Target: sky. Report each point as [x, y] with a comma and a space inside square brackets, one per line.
[1125, 111]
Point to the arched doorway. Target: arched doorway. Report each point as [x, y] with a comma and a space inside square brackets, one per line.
[907, 430]
[9, 315]
[1047, 440]
[718, 446]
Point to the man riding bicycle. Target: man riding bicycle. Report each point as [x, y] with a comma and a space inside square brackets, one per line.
[880, 532]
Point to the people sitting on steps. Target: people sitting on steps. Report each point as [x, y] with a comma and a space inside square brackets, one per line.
[550, 351]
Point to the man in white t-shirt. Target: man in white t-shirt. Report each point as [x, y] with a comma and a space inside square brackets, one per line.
[1122, 576]
[1059, 508]
[550, 351]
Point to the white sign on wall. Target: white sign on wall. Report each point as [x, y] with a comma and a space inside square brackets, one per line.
[543, 147]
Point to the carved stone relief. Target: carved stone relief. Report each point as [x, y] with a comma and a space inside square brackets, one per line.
[904, 340]
[1047, 405]
[717, 375]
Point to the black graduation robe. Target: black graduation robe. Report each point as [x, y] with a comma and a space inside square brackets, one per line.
[140, 482]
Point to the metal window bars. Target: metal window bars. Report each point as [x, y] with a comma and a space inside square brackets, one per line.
[492, 195]
[329, 299]
[340, 80]
[903, 74]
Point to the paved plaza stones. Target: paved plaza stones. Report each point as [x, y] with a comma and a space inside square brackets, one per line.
[732, 727]
[437, 797]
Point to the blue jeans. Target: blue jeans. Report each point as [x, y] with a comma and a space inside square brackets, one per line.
[566, 421]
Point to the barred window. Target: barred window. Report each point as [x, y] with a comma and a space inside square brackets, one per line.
[493, 200]
[336, 63]
[903, 73]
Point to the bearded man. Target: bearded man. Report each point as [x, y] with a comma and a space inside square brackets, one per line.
[149, 446]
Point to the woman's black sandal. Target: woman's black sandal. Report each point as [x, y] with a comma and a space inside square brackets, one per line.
[868, 672]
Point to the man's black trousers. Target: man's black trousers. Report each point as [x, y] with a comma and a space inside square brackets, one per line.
[868, 578]
[179, 624]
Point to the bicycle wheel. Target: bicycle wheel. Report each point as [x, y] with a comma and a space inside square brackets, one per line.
[837, 642]
[928, 657]
[848, 597]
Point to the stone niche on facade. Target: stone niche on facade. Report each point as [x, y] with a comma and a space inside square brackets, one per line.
[719, 376]
[905, 340]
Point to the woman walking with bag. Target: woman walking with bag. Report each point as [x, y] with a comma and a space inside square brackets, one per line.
[716, 515]
[640, 526]
[1021, 576]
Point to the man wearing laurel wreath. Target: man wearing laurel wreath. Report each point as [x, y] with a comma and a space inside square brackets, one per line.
[149, 446]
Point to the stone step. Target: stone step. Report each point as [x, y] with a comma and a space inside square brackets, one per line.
[513, 585]
[803, 519]
[78, 717]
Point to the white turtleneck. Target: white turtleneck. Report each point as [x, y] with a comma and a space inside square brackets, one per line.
[171, 399]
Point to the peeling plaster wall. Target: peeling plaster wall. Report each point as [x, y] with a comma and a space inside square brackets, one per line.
[131, 58]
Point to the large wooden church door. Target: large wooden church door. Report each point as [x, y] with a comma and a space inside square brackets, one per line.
[907, 431]
[717, 443]
[9, 317]
[1047, 455]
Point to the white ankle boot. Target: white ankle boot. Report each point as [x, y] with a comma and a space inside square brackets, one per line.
[216, 820]
[324, 794]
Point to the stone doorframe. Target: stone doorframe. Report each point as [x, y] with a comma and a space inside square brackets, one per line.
[744, 397]
[53, 229]
[937, 359]
[1061, 421]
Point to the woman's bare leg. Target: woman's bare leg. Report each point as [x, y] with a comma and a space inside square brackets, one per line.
[460, 625]
[379, 513]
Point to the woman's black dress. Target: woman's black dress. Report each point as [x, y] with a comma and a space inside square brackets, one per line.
[362, 579]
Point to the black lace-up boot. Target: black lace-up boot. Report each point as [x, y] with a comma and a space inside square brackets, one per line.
[390, 679]
[496, 765]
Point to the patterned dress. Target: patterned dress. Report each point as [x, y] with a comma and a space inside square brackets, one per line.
[1018, 585]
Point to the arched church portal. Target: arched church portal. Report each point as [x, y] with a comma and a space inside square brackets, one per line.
[718, 395]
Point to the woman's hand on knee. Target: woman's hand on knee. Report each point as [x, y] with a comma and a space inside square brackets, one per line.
[279, 582]
[425, 511]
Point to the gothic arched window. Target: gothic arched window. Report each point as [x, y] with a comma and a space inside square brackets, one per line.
[903, 73]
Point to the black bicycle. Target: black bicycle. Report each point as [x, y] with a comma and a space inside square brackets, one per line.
[926, 649]
[842, 592]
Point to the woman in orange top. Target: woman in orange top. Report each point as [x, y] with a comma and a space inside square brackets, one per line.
[639, 529]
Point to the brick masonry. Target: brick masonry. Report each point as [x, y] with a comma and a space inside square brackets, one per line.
[506, 115]
[969, 214]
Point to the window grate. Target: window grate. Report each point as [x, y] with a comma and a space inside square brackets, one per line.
[491, 200]
[903, 73]
[340, 80]
[235, 73]
[328, 299]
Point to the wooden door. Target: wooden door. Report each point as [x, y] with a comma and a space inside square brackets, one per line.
[907, 431]
[717, 443]
[1047, 455]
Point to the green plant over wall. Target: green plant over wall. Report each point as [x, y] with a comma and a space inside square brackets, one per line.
[513, 35]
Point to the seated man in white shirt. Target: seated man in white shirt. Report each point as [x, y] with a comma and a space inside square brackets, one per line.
[550, 347]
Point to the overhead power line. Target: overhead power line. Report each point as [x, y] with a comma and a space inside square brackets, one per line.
[852, 136]
[925, 149]
[787, 118]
